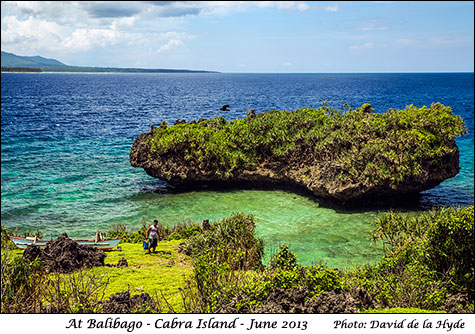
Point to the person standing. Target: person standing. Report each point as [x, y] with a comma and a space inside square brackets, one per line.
[152, 234]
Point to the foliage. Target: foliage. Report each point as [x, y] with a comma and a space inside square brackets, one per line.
[216, 286]
[377, 148]
[428, 261]
[451, 246]
[177, 232]
[231, 240]
[220, 255]
[414, 274]
[428, 257]
[283, 259]
[6, 242]
[26, 288]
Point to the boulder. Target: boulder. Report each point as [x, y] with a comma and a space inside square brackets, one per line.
[65, 255]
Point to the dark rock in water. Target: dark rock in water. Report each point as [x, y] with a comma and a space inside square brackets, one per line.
[225, 108]
[65, 255]
[122, 302]
[361, 155]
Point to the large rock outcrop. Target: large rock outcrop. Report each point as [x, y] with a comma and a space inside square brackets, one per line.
[356, 155]
[64, 255]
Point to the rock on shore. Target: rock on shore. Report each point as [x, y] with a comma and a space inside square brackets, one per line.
[356, 155]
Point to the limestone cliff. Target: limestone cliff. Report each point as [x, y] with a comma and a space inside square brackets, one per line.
[345, 156]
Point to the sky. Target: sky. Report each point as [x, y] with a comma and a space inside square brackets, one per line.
[246, 36]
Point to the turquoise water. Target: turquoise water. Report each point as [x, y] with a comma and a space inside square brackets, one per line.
[316, 234]
[66, 140]
[86, 197]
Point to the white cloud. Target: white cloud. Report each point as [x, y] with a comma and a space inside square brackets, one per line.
[84, 39]
[332, 8]
[172, 44]
[31, 33]
[62, 28]
[288, 5]
[372, 27]
[123, 23]
[364, 46]
[406, 42]
[81, 25]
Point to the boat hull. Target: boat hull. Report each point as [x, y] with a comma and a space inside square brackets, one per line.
[106, 244]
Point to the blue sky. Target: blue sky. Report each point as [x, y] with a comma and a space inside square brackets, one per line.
[247, 36]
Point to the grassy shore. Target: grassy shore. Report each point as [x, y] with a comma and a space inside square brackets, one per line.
[163, 272]
[427, 267]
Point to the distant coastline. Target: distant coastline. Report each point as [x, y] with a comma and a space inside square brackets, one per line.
[21, 69]
[79, 69]
[15, 63]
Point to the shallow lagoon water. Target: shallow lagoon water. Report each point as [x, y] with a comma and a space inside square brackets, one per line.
[66, 139]
[316, 234]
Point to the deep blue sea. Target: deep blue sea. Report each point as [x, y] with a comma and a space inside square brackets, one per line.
[66, 140]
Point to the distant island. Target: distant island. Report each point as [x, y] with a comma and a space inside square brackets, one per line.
[15, 63]
[21, 69]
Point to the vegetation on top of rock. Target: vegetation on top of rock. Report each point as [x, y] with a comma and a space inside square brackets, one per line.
[347, 155]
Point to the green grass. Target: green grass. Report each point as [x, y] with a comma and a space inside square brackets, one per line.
[158, 274]
[155, 274]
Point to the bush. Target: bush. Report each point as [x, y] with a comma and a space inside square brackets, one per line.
[231, 241]
[27, 288]
[283, 259]
[216, 287]
[428, 258]
[451, 248]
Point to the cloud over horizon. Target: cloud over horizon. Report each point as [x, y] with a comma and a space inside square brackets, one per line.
[49, 26]
[223, 35]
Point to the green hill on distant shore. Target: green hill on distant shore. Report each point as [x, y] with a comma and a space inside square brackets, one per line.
[10, 60]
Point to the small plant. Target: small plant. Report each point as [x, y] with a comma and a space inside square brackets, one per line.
[283, 259]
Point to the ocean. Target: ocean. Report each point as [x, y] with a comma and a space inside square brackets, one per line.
[66, 139]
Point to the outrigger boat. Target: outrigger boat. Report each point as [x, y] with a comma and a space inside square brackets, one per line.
[105, 244]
